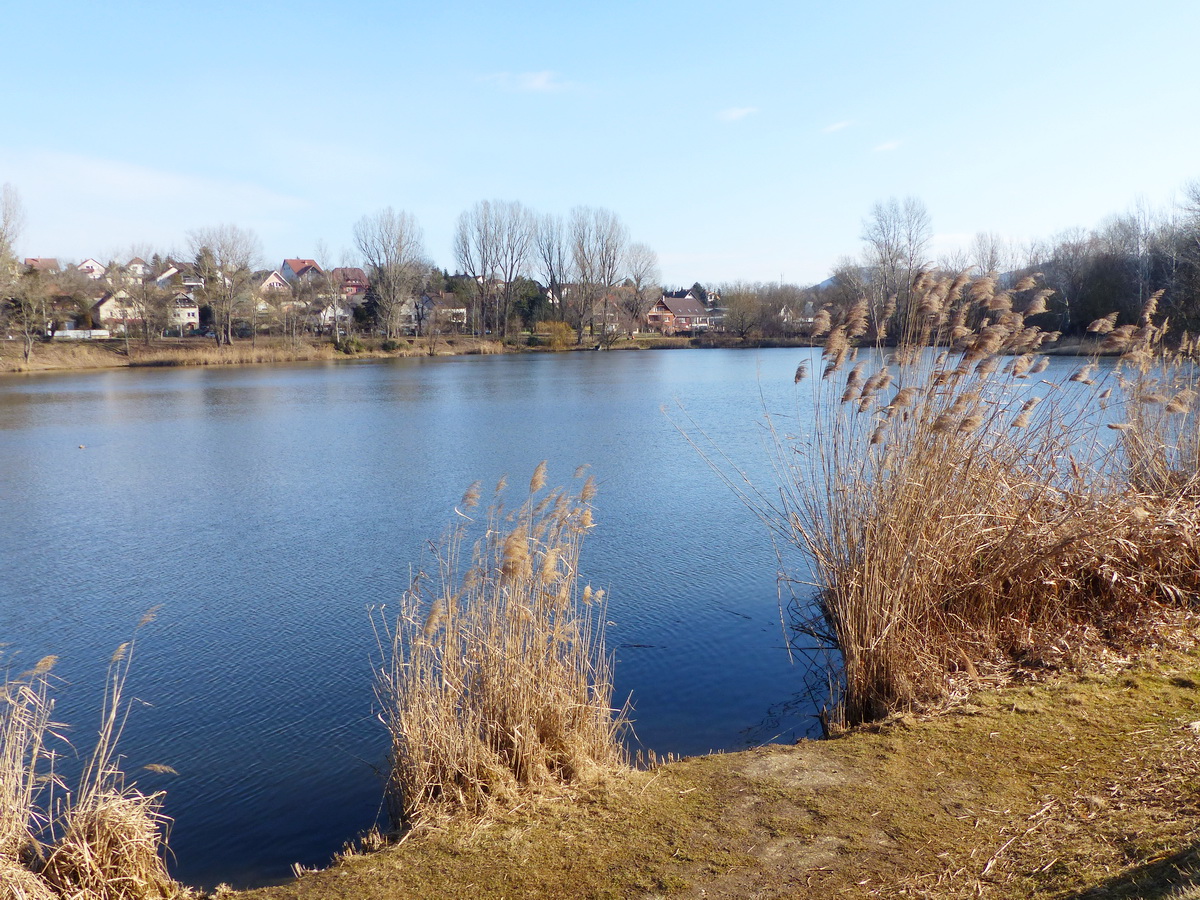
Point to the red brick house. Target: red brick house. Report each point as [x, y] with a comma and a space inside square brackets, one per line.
[679, 311]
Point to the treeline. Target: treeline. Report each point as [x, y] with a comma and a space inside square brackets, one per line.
[515, 268]
[1084, 274]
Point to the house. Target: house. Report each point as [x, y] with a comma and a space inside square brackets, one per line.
[92, 268]
[183, 314]
[679, 311]
[116, 312]
[300, 269]
[41, 263]
[350, 282]
[333, 311]
[138, 268]
[274, 282]
[179, 274]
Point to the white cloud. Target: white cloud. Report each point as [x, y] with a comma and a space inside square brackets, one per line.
[886, 147]
[545, 82]
[836, 126]
[736, 113]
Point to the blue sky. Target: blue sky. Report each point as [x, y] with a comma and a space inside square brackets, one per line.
[740, 140]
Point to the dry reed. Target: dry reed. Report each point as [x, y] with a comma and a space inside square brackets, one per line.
[982, 515]
[106, 840]
[495, 681]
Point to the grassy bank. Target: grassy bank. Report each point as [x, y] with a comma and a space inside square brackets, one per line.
[1060, 789]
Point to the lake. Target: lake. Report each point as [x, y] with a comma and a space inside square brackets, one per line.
[266, 510]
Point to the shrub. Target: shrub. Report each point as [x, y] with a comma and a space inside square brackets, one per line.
[495, 680]
[560, 335]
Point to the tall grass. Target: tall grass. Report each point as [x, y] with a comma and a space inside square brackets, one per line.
[106, 840]
[495, 681]
[960, 510]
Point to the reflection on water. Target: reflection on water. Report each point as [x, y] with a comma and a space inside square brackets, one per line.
[267, 509]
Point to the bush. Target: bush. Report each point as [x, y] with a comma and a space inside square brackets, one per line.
[390, 346]
[560, 335]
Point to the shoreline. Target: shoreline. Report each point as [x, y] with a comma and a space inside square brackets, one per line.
[61, 355]
[1067, 785]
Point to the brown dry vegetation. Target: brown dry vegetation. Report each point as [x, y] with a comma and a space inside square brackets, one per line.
[496, 683]
[102, 840]
[58, 355]
[963, 513]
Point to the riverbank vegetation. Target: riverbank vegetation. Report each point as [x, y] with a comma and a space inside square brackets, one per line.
[962, 514]
[102, 840]
[495, 681]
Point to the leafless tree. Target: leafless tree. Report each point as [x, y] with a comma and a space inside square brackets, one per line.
[991, 253]
[27, 303]
[492, 244]
[226, 257]
[743, 308]
[149, 300]
[641, 267]
[897, 234]
[12, 223]
[597, 240]
[552, 258]
[393, 248]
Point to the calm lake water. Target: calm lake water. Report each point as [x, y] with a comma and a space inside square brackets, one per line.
[267, 509]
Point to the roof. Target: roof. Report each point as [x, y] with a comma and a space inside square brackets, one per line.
[42, 263]
[301, 266]
[685, 306]
[348, 273]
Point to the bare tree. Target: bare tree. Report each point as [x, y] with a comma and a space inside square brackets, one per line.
[27, 307]
[492, 244]
[641, 267]
[12, 223]
[598, 240]
[552, 258]
[743, 308]
[897, 234]
[393, 249]
[149, 300]
[990, 253]
[225, 257]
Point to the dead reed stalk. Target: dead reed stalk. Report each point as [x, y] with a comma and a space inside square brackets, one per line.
[495, 680]
[106, 839]
[979, 512]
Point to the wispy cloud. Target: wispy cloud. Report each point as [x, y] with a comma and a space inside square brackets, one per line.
[736, 113]
[545, 82]
[836, 126]
[83, 205]
[886, 147]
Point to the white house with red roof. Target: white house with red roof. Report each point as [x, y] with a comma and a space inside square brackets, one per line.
[92, 268]
[296, 269]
